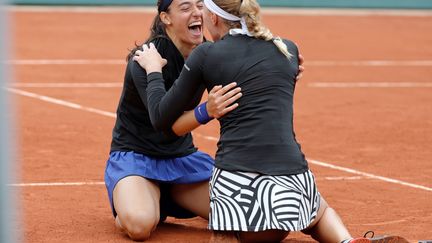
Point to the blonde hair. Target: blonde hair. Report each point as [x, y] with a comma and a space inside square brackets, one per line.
[250, 11]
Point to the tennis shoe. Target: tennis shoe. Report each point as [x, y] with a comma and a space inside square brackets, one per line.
[383, 238]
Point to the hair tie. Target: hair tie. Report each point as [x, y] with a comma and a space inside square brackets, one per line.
[225, 15]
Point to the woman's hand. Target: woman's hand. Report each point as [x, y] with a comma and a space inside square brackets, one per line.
[150, 59]
[220, 99]
[301, 67]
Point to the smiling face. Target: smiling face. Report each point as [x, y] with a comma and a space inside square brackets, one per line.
[184, 21]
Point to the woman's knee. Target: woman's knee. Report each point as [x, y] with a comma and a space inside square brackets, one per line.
[139, 225]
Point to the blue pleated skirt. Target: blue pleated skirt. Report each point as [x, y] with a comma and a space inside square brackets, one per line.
[192, 168]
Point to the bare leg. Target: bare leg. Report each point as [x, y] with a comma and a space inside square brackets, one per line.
[327, 227]
[136, 202]
[193, 197]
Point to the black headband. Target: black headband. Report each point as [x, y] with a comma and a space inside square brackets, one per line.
[163, 7]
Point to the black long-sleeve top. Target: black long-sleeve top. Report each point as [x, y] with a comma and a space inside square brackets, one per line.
[257, 136]
[134, 130]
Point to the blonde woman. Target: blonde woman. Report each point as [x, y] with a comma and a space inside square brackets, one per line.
[261, 188]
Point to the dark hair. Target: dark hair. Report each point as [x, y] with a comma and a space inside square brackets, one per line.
[157, 30]
[163, 5]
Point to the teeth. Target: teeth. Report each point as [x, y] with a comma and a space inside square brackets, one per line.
[198, 23]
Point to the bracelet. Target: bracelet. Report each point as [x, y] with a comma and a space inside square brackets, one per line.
[201, 114]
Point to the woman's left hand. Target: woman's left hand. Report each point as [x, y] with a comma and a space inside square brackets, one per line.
[221, 99]
[150, 59]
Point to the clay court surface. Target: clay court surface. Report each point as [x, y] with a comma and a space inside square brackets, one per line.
[363, 114]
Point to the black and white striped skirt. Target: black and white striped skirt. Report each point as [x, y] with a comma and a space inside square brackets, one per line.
[243, 201]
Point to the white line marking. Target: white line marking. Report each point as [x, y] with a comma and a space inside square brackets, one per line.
[67, 85]
[356, 172]
[312, 84]
[67, 62]
[342, 178]
[82, 9]
[60, 102]
[266, 10]
[370, 85]
[347, 12]
[386, 223]
[372, 63]
[211, 138]
[41, 184]
[323, 63]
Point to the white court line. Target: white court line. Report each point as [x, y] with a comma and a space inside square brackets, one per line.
[342, 178]
[387, 223]
[370, 85]
[66, 62]
[372, 63]
[41, 184]
[60, 102]
[323, 63]
[356, 172]
[67, 85]
[265, 10]
[315, 162]
[312, 84]
[210, 138]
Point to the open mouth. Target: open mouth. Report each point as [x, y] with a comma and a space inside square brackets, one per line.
[195, 28]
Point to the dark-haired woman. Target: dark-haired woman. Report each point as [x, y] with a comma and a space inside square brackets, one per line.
[151, 172]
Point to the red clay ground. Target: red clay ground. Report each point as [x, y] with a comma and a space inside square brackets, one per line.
[382, 131]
